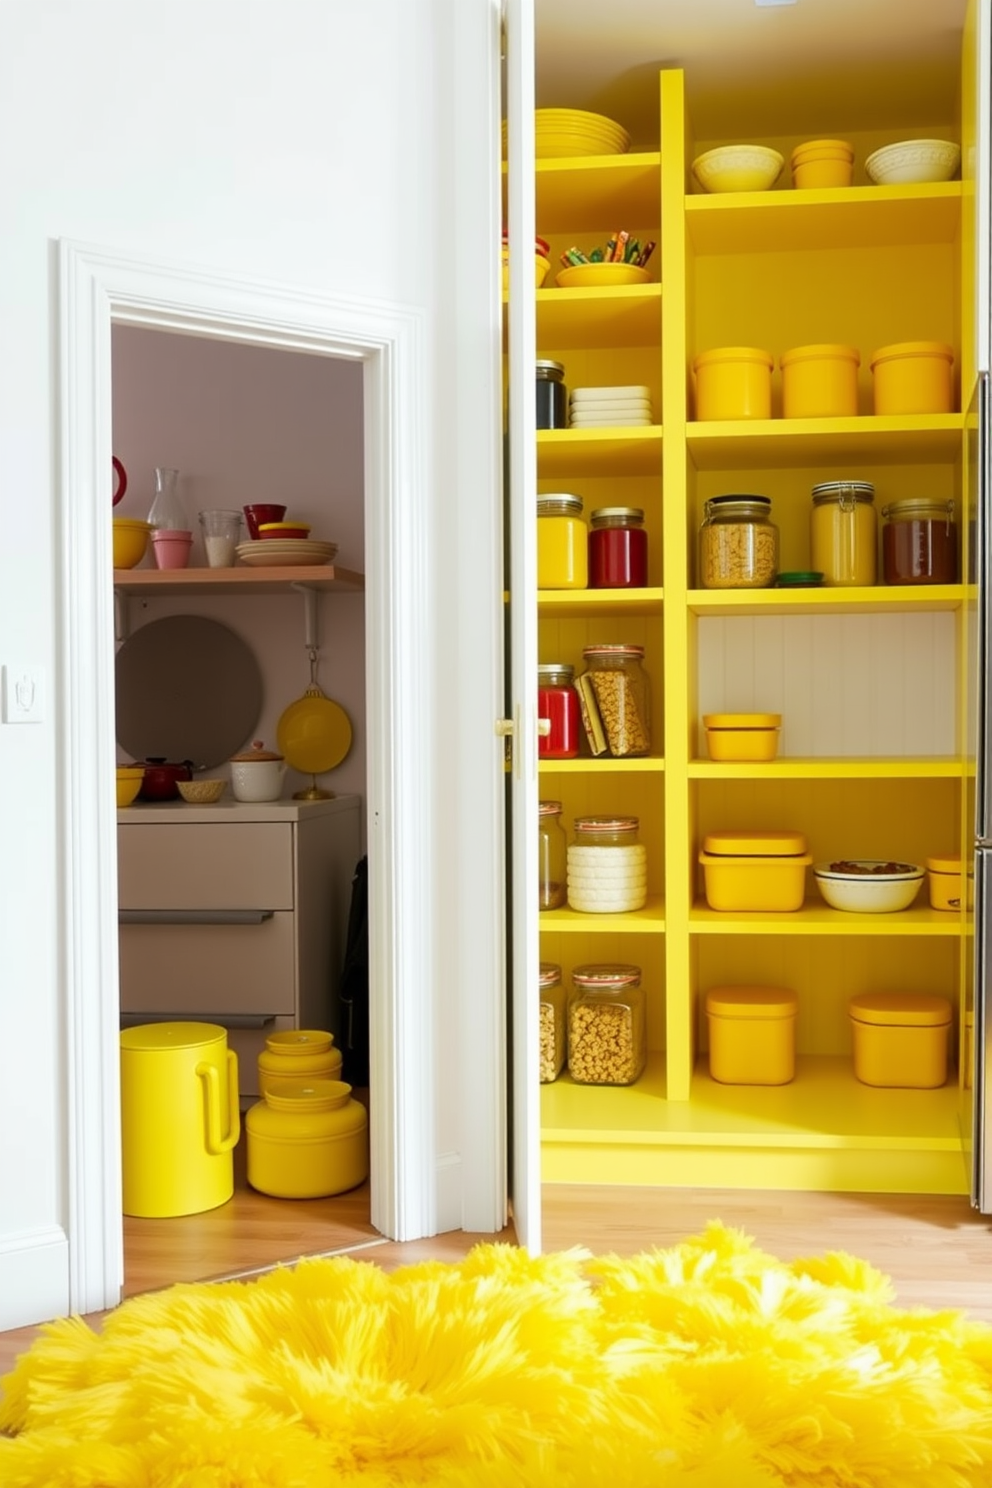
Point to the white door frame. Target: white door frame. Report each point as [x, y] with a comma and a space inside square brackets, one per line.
[99, 287]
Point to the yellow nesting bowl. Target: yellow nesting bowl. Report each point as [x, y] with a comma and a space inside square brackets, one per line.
[541, 267]
[129, 778]
[130, 541]
[597, 275]
[738, 168]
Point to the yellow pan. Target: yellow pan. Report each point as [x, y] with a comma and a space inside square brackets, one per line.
[314, 733]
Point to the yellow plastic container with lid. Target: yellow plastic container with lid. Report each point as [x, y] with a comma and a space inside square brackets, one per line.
[300, 1054]
[900, 1039]
[820, 381]
[752, 1035]
[945, 877]
[734, 382]
[180, 1118]
[307, 1140]
[755, 871]
[913, 377]
[742, 736]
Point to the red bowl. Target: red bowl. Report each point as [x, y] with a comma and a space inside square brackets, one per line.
[283, 529]
[256, 514]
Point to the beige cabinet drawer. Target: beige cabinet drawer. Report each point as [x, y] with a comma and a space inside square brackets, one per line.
[207, 969]
[233, 865]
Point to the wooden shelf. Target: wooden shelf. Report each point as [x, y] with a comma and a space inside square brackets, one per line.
[325, 579]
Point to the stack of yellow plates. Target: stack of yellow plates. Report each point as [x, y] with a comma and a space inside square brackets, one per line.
[286, 552]
[559, 132]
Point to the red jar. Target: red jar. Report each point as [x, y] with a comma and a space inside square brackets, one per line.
[618, 549]
[558, 702]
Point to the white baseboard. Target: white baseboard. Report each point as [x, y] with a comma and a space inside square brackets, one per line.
[34, 1277]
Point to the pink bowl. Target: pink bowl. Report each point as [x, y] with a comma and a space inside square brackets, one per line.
[261, 513]
[171, 548]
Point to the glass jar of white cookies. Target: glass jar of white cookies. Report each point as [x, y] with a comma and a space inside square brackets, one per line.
[607, 869]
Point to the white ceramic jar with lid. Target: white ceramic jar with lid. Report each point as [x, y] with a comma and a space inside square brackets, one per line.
[257, 774]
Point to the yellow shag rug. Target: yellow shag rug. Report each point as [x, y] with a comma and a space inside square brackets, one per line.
[708, 1365]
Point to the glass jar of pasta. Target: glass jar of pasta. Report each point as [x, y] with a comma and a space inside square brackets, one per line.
[607, 1026]
[551, 1013]
[615, 690]
[738, 543]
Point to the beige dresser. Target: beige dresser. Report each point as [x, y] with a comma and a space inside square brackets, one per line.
[236, 914]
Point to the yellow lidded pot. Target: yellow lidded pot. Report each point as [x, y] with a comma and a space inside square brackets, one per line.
[900, 1039]
[913, 377]
[752, 1035]
[945, 878]
[755, 871]
[742, 736]
[734, 382]
[299, 1054]
[307, 1140]
[820, 381]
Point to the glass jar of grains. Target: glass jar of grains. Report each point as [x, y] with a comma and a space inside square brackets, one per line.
[615, 689]
[551, 855]
[738, 543]
[607, 868]
[551, 1013]
[607, 1033]
[844, 533]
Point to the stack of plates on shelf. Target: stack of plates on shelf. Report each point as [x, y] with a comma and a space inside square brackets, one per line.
[589, 408]
[286, 552]
[560, 132]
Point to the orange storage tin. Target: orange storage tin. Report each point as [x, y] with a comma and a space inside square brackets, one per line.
[820, 381]
[752, 1033]
[913, 377]
[900, 1040]
[822, 163]
[734, 382]
[745, 871]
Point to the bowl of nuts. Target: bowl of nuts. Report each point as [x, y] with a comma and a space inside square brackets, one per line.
[869, 885]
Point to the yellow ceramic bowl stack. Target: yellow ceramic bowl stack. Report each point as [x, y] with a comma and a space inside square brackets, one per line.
[129, 778]
[130, 541]
[559, 132]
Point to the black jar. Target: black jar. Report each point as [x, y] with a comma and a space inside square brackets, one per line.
[552, 395]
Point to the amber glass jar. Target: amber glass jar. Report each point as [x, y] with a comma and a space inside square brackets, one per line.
[919, 542]
[551, 855]
[607, 1026]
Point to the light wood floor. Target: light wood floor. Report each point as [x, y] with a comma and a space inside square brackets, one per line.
[937, 1250]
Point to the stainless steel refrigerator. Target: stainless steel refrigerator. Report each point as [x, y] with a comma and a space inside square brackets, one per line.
[977, 1085]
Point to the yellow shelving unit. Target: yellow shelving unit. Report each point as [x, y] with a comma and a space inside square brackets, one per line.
[880, 764]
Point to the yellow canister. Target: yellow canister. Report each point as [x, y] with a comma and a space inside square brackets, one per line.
[742, 736]
[900, 1040]
[300, 1054]
[755, 871]
[822, 163]
[913, 377]
[307, 1141]
[945, 878]
[562, 542]
[752, 1035]
[734, 382]
[820, 381]
[180, 1118]
[844, 533]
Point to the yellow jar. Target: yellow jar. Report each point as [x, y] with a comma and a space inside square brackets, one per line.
[755, 871]
[734, 382]
[300, 1055]
[820, 381]
[900, 1039]
[946, 878]
[752, 1033]
[913, 377]
[307, 1141]
[562, 542]
[844, 533]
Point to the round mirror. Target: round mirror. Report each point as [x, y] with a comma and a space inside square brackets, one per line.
[187, 689]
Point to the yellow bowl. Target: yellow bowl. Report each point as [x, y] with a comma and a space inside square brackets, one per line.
[738, 168]
[201, 792]
[541, 267]
[596, 275]
[129, 778]
[130, 541]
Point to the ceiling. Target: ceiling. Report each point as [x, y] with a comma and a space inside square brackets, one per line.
[749, 66]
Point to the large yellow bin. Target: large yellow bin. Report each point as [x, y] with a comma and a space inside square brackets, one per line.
[180, 1118]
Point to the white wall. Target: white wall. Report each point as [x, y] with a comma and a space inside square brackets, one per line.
[309, 144]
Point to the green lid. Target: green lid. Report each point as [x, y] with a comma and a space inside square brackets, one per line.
[800, 579]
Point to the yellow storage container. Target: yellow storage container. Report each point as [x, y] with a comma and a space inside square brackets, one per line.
[900, 1040]
[944, 880]
[820, 381]
[180, 1118]
[742, 736]
[307, 1141]
[752, 1034]
[913, 377]
[298, 1054]
[734, 382]
[753, 871]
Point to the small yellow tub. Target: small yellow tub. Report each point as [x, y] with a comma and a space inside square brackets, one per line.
[734, 382]
[820, 381]
[900, 1040]
[944, 880]
[752, 1033]
[820, 163]
[755, 871]
[913, 377]
[742, 736]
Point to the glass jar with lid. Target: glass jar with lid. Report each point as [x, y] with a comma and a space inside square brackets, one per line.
[919, 542]
[738, 543]
[558, 704]
[844, 533]
[607, 867]
[551, 1013]
[551, 855]
[562, 542]
[552, 394]
[615, 689]
[618, 548]
[607, 1026]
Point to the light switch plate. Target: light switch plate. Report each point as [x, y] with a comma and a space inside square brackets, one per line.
[23, 694]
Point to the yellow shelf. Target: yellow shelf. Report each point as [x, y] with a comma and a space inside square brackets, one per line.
[622, 315]
[788, 221]
[651, 919]
[846, 768]
[604, 765]
[817, 918]
[590, 452]
[595, 192]
[562, 604]
[890, 599]
[766, 444]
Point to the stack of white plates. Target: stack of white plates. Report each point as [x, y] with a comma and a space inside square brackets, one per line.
[286, 552]
[589, 408]
[560, 132]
